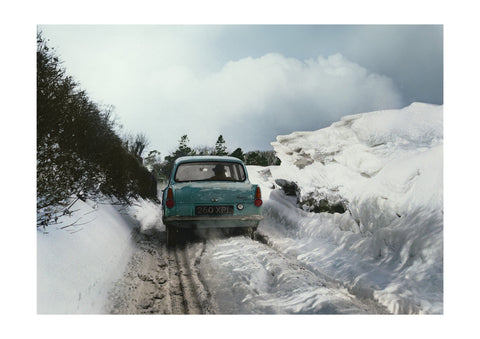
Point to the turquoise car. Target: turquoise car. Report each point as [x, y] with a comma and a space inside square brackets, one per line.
[207, 192]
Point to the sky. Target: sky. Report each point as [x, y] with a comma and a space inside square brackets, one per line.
[248, 83]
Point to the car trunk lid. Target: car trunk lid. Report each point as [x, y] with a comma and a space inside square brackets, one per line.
[213, 192]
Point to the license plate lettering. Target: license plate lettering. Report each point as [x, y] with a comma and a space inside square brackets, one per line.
[213, 210]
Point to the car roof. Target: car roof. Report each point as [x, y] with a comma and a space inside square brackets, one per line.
[197, 158]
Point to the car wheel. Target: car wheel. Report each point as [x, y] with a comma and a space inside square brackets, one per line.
[250, 232]
[171, 236]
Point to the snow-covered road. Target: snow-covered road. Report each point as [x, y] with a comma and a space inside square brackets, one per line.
[215, 274]
[158, 280]
[250, 277]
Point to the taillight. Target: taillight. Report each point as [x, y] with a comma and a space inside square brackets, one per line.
[258, 197]
[170, 203]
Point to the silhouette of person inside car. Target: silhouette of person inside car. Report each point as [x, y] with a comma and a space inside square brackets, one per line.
[219, 171]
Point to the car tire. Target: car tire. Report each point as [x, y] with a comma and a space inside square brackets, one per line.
[250, 232]
[171, 236]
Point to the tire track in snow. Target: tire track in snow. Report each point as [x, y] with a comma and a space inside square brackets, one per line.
[360, 299]
[177, 303]
[249, 277]
[190, 299]
[145, 284]
[160, 280]
[202, 294]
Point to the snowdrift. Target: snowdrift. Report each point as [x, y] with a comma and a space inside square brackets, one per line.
[79, 260]
[385, 170]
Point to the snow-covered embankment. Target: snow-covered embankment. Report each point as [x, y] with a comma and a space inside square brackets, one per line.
[79, 259]
[385, 169]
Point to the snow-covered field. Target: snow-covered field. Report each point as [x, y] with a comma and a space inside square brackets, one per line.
[384, 168]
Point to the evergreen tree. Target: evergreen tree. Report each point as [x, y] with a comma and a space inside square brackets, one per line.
[220, 148]
[262, 158]
[238, 153]
[256, 158]
[183, 150]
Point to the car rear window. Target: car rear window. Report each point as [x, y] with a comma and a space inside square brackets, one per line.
[210, 171]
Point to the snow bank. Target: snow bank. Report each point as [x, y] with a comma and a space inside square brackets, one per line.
[246, 277]
[386, 169]
[77, 265]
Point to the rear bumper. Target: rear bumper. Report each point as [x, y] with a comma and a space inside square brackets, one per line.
[224, 221]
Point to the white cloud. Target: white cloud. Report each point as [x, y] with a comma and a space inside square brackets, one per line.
[252, 100]
[166, 81]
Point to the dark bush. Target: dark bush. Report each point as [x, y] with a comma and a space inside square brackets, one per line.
[78, 152]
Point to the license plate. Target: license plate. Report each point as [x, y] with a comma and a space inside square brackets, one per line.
[213, 210]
